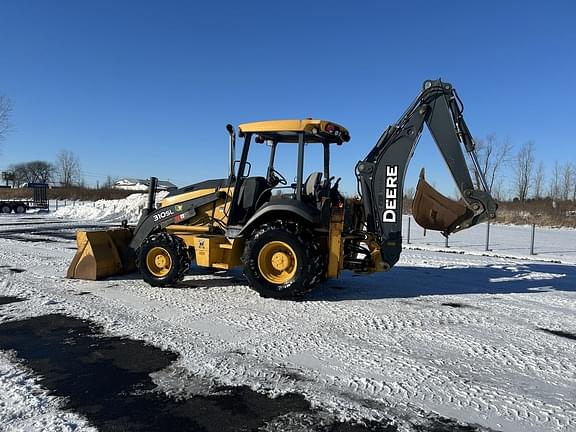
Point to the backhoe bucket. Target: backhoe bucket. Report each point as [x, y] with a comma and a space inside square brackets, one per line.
[434, 211]
[101, 254]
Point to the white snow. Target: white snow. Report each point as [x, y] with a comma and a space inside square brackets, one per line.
[25, 406]
[550, 244]
[128, 208]
[390, 344]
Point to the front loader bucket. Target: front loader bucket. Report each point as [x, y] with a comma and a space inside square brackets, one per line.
[101, 254]
[434, 211]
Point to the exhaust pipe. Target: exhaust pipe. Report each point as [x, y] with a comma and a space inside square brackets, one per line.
[232, 149]
[152, 194]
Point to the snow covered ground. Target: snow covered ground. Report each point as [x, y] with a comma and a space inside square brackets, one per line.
[550, 244]
[481, 339]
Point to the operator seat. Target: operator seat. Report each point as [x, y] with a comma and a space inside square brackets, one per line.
[311, 186]
[254, 191]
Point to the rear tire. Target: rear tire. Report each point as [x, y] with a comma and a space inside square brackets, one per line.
[5, 208]
[163, 259]
[20, 208]
[282, 260]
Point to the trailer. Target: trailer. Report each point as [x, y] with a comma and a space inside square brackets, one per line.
[15, 206]
[39, 201]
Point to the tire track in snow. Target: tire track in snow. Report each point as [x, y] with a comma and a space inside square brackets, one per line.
[407, 353]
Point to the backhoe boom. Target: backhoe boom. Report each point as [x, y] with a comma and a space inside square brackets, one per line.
[381, 174]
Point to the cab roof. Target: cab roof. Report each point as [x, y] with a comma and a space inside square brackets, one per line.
[315, 131]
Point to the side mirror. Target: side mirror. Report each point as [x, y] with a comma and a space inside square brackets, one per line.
[235, 168]
[248, 166]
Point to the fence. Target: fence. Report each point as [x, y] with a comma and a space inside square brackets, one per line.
[56, 204]
[514, 239]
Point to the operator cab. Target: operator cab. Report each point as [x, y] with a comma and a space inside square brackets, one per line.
[252, 193]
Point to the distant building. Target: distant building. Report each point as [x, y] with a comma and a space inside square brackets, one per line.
[142, 185]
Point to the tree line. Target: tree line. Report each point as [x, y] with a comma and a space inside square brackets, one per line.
[65, 171]
[509, 175]
[516, 175]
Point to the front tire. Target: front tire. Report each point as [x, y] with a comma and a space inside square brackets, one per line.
[163, 259]
[282, 260]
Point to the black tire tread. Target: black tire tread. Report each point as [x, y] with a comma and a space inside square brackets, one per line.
[314, 263]
[171, 243]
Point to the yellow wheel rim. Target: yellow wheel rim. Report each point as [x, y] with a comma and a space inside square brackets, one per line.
[277, 262]
[158, 261]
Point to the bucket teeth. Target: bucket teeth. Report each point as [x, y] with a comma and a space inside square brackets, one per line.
[101, 254]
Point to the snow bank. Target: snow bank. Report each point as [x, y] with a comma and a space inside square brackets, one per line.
[107, 210]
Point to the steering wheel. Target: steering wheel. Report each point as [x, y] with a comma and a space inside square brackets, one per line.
[277, 178]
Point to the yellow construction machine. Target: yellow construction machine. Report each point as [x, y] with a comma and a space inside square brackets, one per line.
[288, 237]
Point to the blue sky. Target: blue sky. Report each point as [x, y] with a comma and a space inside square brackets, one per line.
[140, 88]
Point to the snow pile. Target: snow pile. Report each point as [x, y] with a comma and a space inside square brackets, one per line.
[128, 208]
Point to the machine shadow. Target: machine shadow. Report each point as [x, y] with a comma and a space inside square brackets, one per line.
[410, 281]
[405, 282]
[197, 277]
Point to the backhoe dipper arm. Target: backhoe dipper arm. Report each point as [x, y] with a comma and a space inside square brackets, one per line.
[381, 174]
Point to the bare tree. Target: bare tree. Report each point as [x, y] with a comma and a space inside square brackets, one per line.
[493, 155]
[539, 178]
[524, 170]
[109, 183]
[21, 173]
[566, 181]
[43, 171]
[32, 172]
[68, 168]
[5, 111]
[409, 193]
[555, 181]
[498, 190]
[574, 185]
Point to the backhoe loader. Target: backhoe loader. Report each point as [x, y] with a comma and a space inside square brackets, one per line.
[291, 237]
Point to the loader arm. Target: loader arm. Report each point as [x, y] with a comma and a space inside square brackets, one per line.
[381, 174]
